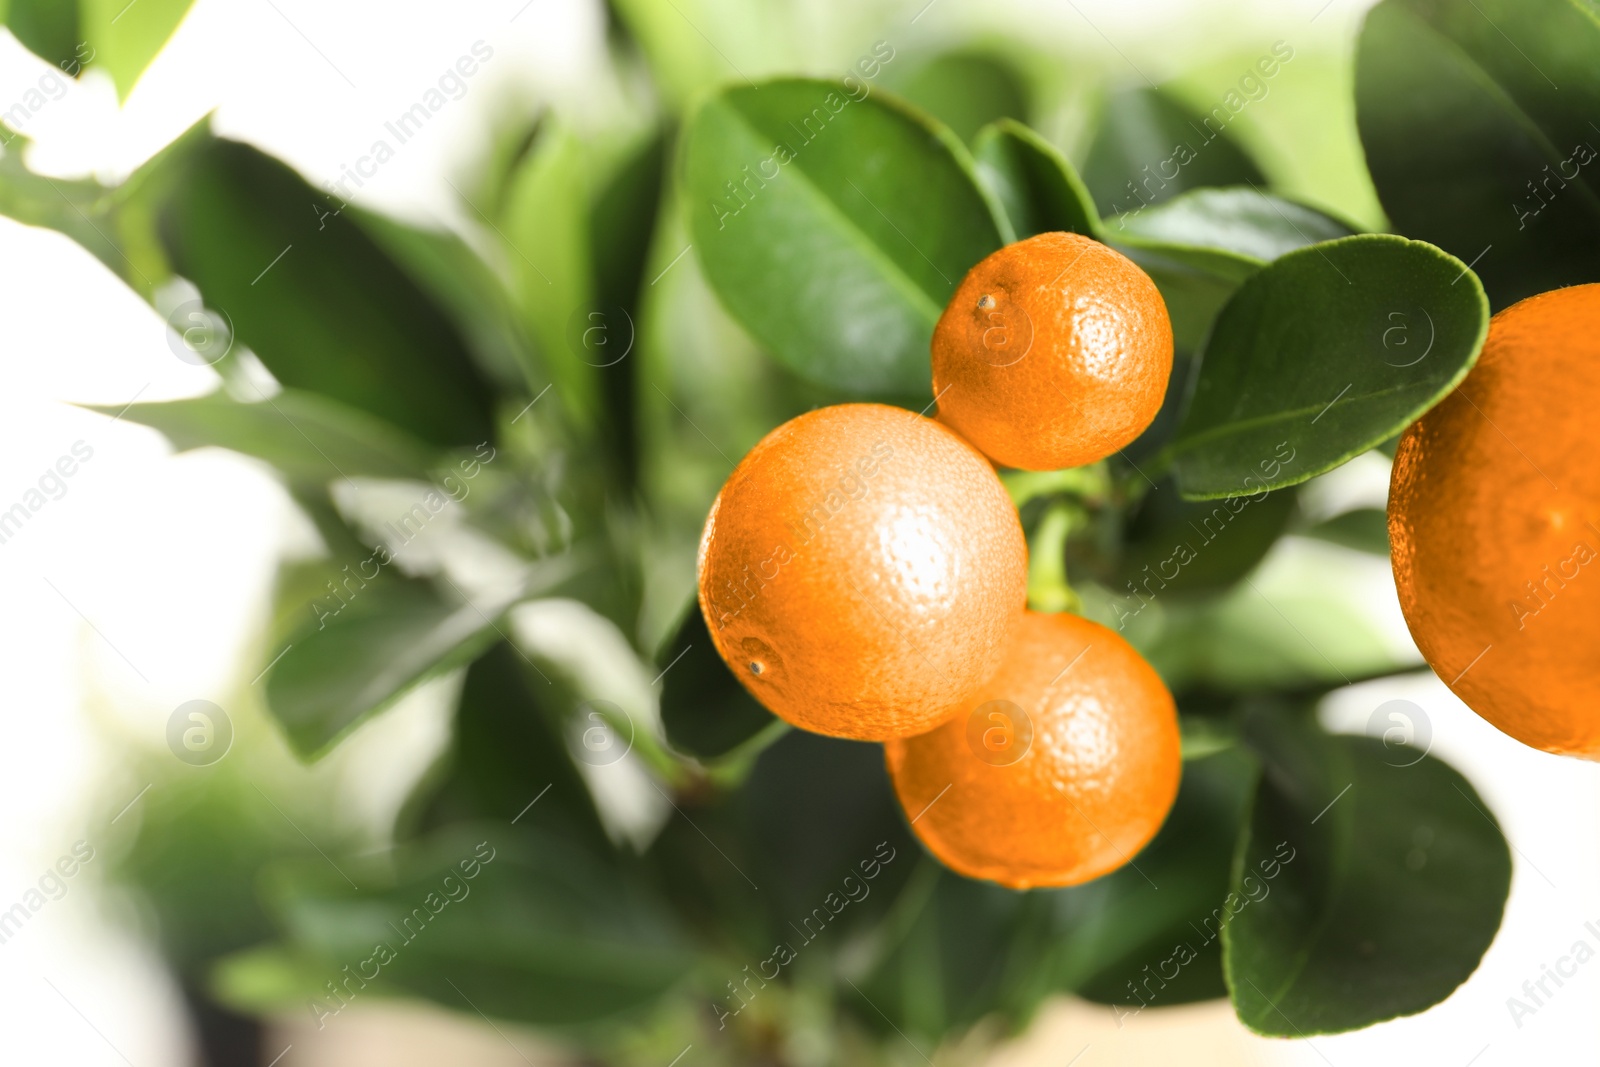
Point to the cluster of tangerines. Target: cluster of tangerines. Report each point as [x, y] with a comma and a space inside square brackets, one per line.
[864, 574]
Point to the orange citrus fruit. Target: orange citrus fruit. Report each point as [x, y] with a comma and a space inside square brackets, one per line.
[1494, 506]
[861, 570]
[1065, 767]
[1054, 352]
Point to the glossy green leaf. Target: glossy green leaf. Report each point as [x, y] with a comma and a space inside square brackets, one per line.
[966, 91]
[316, 299]
[126, 36]
[841, 259]
[1195, 283]
[1039, 189]
[1368, 886]
[49, 29]
[1479, 124]
[305, 435]
[1150, 146]
[1241, 220]
[1200, 246]
[1322, 355]
[371, 643]
[705, 711]
[509, 921]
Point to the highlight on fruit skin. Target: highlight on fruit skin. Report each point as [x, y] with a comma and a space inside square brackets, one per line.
[1065, 767]
[1054, 352]
[1494, 524]
[861, 571]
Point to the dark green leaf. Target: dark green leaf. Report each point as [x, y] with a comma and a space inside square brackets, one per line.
[1391, 877]
[127, 36]
[1322, 355]
[49, 29]
[704, 709]
[622, 228]
[965, 91]
[512, 922]
[1033, 181]
[372, 642]
[465, 288]
[1197, 546]
[507, 760]
[1478, 120]
[317, 299]
[307, 436]
[1137, 943]
[1364, 529]
[1150, 147]
[948, 968]
[841, 260]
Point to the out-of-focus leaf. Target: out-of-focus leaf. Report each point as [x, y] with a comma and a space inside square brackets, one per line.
[316, 299]
[49, 29]
[77, 207]
[1478, 121]
[1150, 147]
[510, 921]
[841, 259]
[1039, 189]
[966, 91]
[1302, 619]
[947, 969]
[1363, 529]
[1311, 363]
[705, 711]
[126, 36]
[546, 221]
[365, 652]
[465, 288]
[1197, 546]
[1387, 881]
[622, 228]
[506, 760]
[305, 435]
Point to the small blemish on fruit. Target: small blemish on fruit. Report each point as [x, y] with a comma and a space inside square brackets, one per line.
[985, 302]
[756, 667]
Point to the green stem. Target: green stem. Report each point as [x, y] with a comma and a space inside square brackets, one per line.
[1047, 561]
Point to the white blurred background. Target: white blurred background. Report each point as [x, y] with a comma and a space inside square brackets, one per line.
[146, 583]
